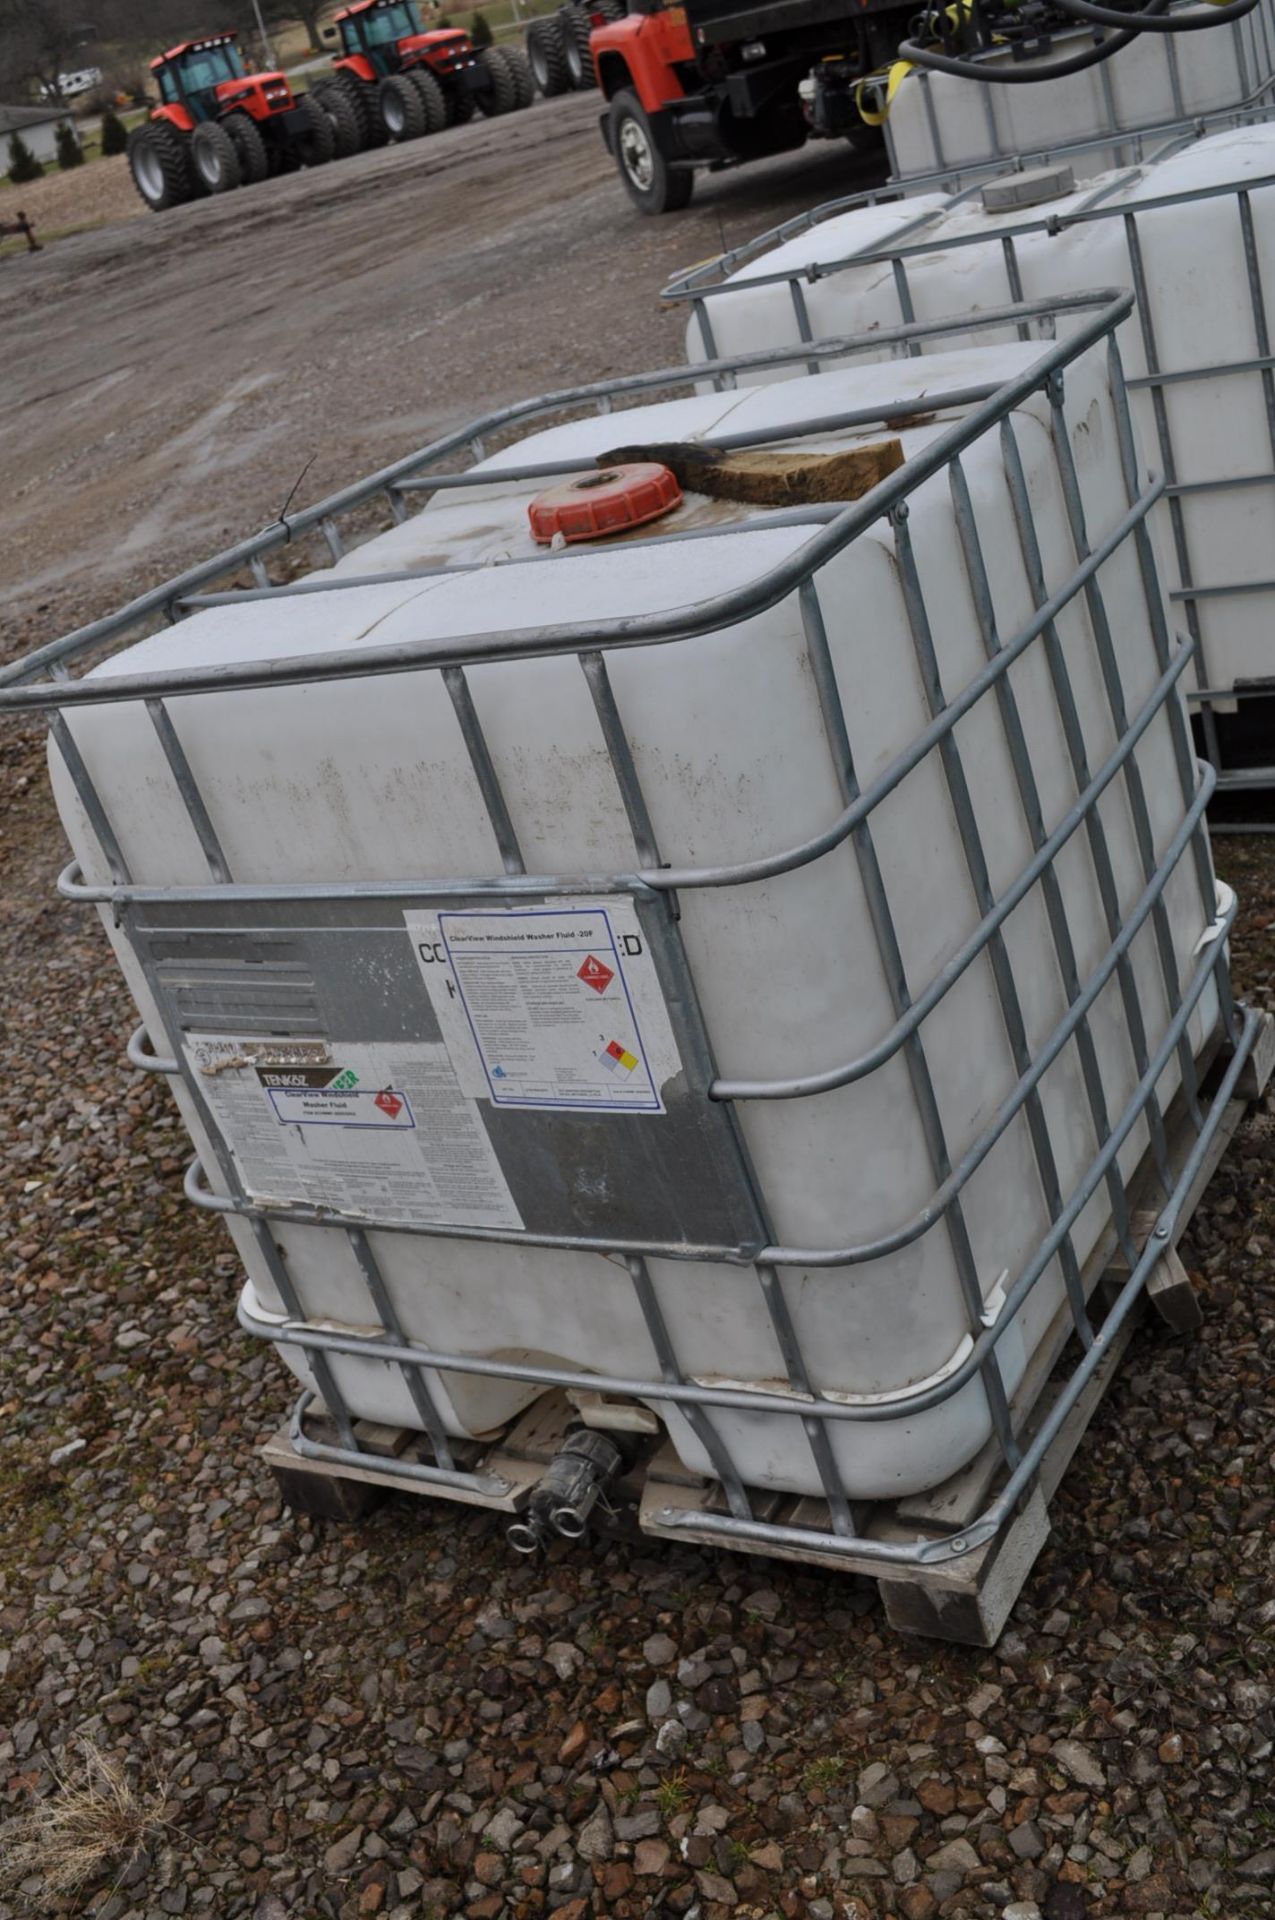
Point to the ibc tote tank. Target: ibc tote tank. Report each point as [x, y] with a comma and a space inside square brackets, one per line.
[1193, 233]
[939, 123]
[455, 890]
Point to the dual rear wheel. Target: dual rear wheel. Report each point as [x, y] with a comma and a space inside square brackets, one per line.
[170, 167]
[510, 88]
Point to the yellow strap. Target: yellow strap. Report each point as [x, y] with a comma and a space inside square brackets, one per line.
[895, 76]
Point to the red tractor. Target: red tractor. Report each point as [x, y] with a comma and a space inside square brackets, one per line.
[219, 127]
[402, 80]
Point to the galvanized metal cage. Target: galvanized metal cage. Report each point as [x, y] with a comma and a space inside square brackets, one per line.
[834, 1530]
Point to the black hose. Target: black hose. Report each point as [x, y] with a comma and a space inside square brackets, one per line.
[1007, 75]
[1194, 21]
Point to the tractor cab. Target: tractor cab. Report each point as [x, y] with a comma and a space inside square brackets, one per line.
[388, 35]
[206, 79]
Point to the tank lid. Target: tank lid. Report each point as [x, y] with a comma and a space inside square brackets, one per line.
[598, 504]
[1028, 189]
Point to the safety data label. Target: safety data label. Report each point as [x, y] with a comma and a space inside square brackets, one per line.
[382, 1132]
[550, 1007]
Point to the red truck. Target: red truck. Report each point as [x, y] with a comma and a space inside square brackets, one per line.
[717, 82]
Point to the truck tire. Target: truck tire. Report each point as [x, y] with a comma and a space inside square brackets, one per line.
[524, 85]
[576, 28]
[347, 125]
[157, 160]
[254, 161]
[650, 182]
[460, 107]
[547, 58]
[214, 158]
[432, 99]
[315, 144]
[500, 95]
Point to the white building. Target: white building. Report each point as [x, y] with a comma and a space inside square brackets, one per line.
[38, 126]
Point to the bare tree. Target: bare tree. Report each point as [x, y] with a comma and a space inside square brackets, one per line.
[310, 15]
[39, 38]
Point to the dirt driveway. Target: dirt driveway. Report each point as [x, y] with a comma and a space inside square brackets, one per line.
[168, 378]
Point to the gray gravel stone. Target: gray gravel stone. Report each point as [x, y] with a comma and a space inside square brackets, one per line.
[596, 1840]
[1078, 1763]
[659, 1700]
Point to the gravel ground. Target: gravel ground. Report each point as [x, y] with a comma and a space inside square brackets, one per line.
[397, 1717]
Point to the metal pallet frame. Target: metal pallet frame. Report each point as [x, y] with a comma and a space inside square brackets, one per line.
[42, 681]
[707, 283]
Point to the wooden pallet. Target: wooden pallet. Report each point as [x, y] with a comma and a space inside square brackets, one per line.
[967, 1600]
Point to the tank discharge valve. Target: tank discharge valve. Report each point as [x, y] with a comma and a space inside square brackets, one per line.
[562, 1500]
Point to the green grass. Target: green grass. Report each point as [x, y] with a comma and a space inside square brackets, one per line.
[673, 1796]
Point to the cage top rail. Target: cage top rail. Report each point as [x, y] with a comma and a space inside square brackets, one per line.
[1101, 310]
[712, 277]
[764, 867]
[1098, 207]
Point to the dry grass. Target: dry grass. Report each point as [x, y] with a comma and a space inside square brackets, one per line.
[97, 1821]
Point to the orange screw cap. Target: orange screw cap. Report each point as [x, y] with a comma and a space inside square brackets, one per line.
[599, 504]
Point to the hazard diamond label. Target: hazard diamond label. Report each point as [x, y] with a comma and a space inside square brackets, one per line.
[389, 1103]
[596, 973]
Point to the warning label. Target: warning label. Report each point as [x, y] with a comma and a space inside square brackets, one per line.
[381, 1132]
[595, 973]
[551, 1007]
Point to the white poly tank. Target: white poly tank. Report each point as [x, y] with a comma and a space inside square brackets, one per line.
[941, 124]
[370, 781]
[1207, 274]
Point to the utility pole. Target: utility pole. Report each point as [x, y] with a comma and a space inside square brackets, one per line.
[267, 52]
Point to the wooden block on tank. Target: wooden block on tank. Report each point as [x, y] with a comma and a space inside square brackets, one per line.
[762, 478]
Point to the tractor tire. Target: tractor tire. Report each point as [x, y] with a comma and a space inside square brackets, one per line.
[500, 95]
[254, 161]
[401, 108]
[158, 162]
[650, 182]
[347, 127]
[214, 158]
[576, 28]
[524, 85]
[315, 145]
[362, 99]
[547, 57]
[433, 99]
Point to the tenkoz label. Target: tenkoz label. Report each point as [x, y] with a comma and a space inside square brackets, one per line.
[333, 1097]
